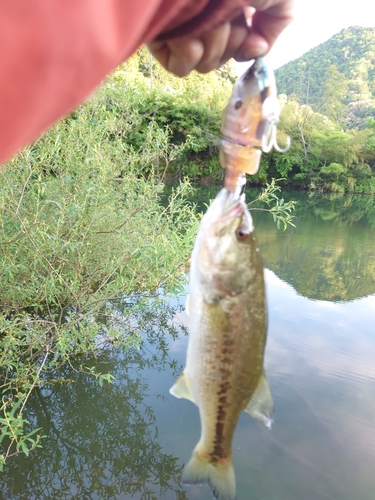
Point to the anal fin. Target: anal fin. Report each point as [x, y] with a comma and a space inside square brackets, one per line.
[260, 405]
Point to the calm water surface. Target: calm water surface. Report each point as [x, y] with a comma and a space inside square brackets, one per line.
[130, 440]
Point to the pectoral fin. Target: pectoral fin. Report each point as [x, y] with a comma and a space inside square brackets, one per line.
[260, 405]
[181, 388]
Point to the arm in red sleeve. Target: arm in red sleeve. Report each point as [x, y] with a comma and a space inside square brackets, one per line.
[55, 52]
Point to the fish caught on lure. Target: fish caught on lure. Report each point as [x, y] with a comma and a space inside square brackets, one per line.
[250, 119]
[227, 310]
[224, 372]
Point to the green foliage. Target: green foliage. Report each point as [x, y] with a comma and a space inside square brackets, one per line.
[351, 52]
[187, 113]
[79, 232]
[333, 170]
[173, 128]
[188, 125]
[317, 143]
[335, 89]
[330, 95]
[13, 431]
[280, 209]
[182, 117]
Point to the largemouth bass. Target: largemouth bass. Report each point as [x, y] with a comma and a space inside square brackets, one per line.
[224, 372]
[249, 123]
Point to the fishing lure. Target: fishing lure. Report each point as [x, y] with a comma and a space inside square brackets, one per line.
[249, 123]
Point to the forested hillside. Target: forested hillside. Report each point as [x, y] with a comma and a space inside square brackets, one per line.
[328, 110]
[336, 78]
[351, 52]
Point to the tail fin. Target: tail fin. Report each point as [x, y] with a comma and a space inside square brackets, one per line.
[220, 478]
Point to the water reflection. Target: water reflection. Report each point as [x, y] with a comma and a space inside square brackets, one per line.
[320, 357]
[330, 255]
[103, 442]
[319, 361]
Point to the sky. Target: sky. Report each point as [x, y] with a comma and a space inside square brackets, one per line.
[315, 22]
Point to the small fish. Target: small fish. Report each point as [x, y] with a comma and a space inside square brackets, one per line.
[249, 120]
[227, 325]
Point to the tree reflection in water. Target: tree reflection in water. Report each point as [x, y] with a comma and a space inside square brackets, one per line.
[330, 254]
[102, 442]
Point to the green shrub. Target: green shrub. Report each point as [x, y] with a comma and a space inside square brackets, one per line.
[80, 230]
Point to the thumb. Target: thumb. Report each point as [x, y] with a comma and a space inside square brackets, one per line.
[267, 22]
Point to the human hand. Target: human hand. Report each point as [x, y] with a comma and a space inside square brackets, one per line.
[249, 35]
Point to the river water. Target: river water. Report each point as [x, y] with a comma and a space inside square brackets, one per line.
[130, 440]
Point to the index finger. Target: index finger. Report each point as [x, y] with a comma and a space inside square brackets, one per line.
[271, 18]
[266, 20]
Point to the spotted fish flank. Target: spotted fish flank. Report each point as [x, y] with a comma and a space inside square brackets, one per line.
[227, 323]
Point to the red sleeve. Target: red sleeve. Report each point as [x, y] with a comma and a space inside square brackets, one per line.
[55, 52]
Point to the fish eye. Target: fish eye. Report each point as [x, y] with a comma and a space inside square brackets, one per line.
[238, 104]
[241, 235]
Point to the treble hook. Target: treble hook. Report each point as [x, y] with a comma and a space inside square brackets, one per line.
[271, 112]
[269, 140]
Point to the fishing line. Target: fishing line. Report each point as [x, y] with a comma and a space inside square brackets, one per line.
[241, 186]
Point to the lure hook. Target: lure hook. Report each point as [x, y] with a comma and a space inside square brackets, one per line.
[271, 112]
[269, 140]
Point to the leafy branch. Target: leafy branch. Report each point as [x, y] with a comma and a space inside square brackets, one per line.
[280, 209]
[12, 426]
